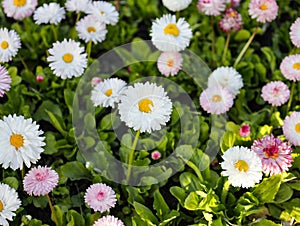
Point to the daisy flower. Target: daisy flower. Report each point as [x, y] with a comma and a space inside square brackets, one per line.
[100, 197]
[21, 142]
[108, 92]
[169, 35]
[78, 6]
[226, 77]
[67, 59]
[245, 130]
[40, 181]
[231, 21]
[145, 107]
[242, 166]
[295, 33]
[211, 7]
[155, 155]
[9, 44]
[19, 9]
[108, 221]
[169, 63]
[275, 155]
[216, 100]
[9, 203]
[263, 10]
[275, 93]
[91, 29]
[176, 5]
[291, 128]
[5, 81]
[290, 67]
[49, 13]
[104, 11]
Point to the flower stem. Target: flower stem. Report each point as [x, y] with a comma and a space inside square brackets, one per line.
[291, 98]
[212, 41]
[74, 28]
[54, 32]
[89, 49]
[226, 47]
[130, 160]
[224, 192]
[245, 48]
[52, 210]
[117, 2]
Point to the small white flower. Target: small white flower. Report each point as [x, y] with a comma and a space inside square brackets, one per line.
[242, 166]
[108, 92]
[176, 5]
[291, 128]
[104, 12]
[49, 13]
[67, 59]
[145, 107]
[21, 142]
[9, 44]
[19, 9]
[169, 63]
[169, 35]
[77, 5]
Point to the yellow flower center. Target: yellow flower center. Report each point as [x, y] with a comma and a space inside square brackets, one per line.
[108, 92]
[68, 57]
[170, 63]
[296, 66]
[102, 12]
[19, 3]
[241, 165]
[216, 98]
[144, 105]
[4, 45]
[233, 14]
[297, 127]
[263, 7]
[17, 140]
[171, 29]
[91, 29]
[1, 206]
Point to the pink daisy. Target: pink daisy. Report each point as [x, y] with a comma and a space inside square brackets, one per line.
[40, 181]
[211, 7]
[100, 197]
[155, 155]
[245, 130]
[232, 21]
[19, 9]
[290, 67]
[39, 78]
[275, 93]
[108, 221]
[216, 100]
[275, 155]
[263, 10]
[234, 3]
[5, 81]
[291, 128]
[169, 63]
[295, 33]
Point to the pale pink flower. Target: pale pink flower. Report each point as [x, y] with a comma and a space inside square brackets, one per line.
[290, 67]
[19, 9]
[275, 93]
[291, 128]
[263, 10]
[40, 181]
[211, 7]
[39, 78]
[169, 63]
[96, 81]
[100, 197]
[234, 3]
[108, 221]
[5, 81]
[245, 130]
[275, 155]
[155, 155]
[295, 33]
[232, 21]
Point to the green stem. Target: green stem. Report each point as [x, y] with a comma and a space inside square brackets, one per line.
[130, 160]
[291, 98]
[212, 41]
[54, 32]
[245, 48]
[23, 172]
[52, 210]
[26, 66]
[177, 15]
[74, 28]
[89, 49]
[226, 47]
[225, 192]
[117, 2]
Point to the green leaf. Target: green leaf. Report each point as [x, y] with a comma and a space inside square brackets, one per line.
[293, 208]
[145, 214]
[59, 214]
[179, 194]
[12, 182]
[75, 219]
[57, 122]
[75, 171]
[69, 96]
[284, 194]
[242, 35]
[50, 141]
[48, 105]
[160, 205]
[265, 222]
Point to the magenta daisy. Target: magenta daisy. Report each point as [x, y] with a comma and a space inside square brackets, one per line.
[245, 130]
[169, 63]
[263, 10]
[5, 81]
[108, 221]
[290, 67]
[232, 21]
[216, 100]
[155, 155]
[275, 155]
[211, 7]
[275, 93]
[100, 197]
[19, 9]
[40, 181]
[295, 33]
[291, 128]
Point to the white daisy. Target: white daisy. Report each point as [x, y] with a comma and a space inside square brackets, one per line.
[291, 128]
[242, 166]
[9, 44]
[104, 12]
[9, 203]
[67, 59]
[49, 13]
[19, 9]
[108, 92]
[77, 5]
[169, 35]
[176, 5]
[145, 107]
[226, 77]
[91, 29]
[169, 63]
[21, 142]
